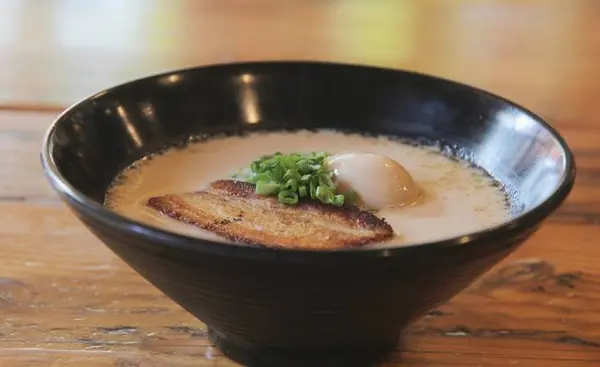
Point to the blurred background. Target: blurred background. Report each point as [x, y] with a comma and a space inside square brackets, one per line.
[537, 52]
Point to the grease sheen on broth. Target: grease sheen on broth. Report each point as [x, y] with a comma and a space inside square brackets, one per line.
[457, 199]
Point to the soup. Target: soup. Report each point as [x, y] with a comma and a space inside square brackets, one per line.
[454, 197]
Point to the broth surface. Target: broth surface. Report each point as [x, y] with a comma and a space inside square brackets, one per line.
[457, 199]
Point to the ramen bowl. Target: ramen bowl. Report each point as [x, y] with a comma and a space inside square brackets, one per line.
[271, 307]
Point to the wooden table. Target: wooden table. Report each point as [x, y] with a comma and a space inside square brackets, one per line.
[66, 300]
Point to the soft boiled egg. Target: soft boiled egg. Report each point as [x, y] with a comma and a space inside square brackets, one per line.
[379, 181]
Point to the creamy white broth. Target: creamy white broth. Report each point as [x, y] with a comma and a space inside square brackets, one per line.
[457, 199]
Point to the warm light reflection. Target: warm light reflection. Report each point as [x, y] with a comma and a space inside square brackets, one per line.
[171, 79]
[148, 111]
[130, 127]
[249, 100]
[463, 239]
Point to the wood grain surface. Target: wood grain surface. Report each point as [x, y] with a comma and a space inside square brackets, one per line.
[66, 300]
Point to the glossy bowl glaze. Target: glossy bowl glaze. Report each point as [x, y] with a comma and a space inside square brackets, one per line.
[267, 307]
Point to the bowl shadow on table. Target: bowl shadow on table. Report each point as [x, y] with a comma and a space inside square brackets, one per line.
[267, 307]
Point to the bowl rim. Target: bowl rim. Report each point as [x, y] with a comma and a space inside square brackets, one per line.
[513, 227]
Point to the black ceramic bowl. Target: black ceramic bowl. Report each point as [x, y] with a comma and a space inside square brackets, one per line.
[267, 307]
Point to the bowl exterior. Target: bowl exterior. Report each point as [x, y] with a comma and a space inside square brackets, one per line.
[277, 313]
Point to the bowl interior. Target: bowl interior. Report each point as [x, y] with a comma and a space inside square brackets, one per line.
[95, 139]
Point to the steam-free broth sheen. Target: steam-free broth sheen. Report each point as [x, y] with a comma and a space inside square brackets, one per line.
[456, 198]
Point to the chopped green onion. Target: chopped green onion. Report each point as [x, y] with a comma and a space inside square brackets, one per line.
[313, 188]
[288, 197]
[277, 173]
[288, 162]
[291, 185]
[305, 179]
[325, 180]
[302, 191]
[324, 194]
[266, 189]
[263, 177]
[338, 200]
[294, 176]
[304, 166]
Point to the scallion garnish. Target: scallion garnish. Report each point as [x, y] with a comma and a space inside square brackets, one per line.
[294, 176]
[266, 189]
[288, 197]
